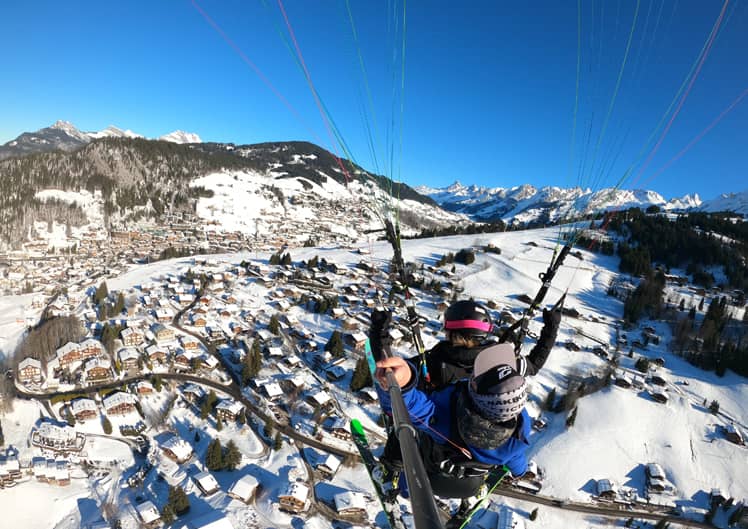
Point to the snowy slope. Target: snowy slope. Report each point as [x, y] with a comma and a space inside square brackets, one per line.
[735, 202]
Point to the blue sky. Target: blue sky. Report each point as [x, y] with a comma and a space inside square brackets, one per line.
[489, 87]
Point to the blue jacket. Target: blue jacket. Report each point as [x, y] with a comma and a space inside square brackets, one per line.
[434, 412]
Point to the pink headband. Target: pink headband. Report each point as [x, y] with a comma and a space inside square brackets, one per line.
[468, 324]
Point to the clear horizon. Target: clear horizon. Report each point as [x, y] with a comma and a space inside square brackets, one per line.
[487, 94]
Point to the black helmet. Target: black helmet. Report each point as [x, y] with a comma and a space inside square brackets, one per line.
[468, 318]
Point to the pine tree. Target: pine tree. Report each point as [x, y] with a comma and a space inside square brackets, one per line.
[550, 400]
[361, 375]
[214, 455]
[274, 325]
[167, 514]
[2, 435]
[219, 423]
[178, 500]
[119, 306]
[106, 425]
[335, 344]
[534, 514]
[233, 457]
[102, 293]
[278, 443]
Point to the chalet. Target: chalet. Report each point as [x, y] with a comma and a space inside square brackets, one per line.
[295, 498]
[189, 343]
[67, 354]
[162, 333]
[164, 315]
[184, 359]
[128, 357]
[206, 483]
[350, 503]
[177, 449]
[84, 409]
[350, 324]
[656, 479]
[606, 489]
[148, 514]
[90, 348]
[214, 332]
[328, 466]
[244, 489]
[229, 409]
[272, 390]
[193, 393]
[733, 435]
[357, 340]
[144, 387]
[119, 403]
[132, 337]
[60, 475]
[30, 370]
[97, 369]
[319, 399]
[274, 352]
[368, 394]
[156, 354]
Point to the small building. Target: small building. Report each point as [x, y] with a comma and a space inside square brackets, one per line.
[119, 403]
[97, 369]
[143, 387]
[162, 333]
[272, 390]
[733, 435]
[328, 466]
[295, 498]
[606, 489]
[206, 483]
[350, 503]
[244, 489]
[659, 395]
[132, 337]
[229, 409]
[193, 393]
[319, 399]
[30, 370]
[128, 357]
[156, 354]
[177, 449]
[148, 514]
[84, 409]
[338, 427]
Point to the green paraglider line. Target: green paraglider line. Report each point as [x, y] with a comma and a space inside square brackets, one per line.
[615, 90]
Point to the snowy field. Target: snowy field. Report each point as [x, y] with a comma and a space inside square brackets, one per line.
[617, 431]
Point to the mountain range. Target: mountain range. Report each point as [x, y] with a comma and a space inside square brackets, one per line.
[141, 177]
[64, 136]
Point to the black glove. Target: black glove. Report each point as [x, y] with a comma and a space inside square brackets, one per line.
[552, 318]
[381, 319]
[379, 337]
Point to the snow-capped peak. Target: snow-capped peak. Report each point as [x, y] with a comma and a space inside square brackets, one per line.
[180, 136]
[69, 129]
[113, 132]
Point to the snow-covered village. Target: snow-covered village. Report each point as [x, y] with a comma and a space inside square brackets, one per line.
[391, 265]
[232, 378]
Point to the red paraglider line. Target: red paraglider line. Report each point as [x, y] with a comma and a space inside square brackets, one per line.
[251, 64]
[699, 136]
[313, 89]
[688, 89]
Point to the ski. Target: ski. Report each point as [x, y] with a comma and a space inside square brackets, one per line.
[460, 521]
[390, 506]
